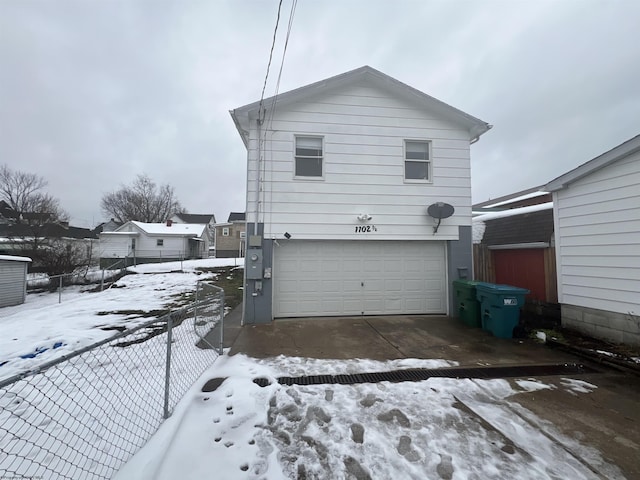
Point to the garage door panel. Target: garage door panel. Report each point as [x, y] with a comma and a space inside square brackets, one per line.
[318, 278]
[393, 286]
[331, 286]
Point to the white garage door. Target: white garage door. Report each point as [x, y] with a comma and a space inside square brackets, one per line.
[328, 278]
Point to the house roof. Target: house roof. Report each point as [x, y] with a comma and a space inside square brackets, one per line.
[475, 126]
[618, 153]
[236, 217]
[200, 218]
[49, 230]
[517, 225]
[532, 196]
[181, 229]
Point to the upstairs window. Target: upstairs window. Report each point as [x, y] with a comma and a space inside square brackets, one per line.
[308, 157]
[417, 160]
[160, 242]
[225, 231]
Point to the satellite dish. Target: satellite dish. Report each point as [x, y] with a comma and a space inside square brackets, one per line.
[440, 210]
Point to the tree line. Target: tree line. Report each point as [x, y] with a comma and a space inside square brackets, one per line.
[32, 218]
[142, 200]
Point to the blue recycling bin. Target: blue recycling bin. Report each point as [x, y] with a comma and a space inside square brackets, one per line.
[500, 307]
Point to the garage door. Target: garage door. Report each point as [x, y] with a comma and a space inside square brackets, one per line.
[330, 278]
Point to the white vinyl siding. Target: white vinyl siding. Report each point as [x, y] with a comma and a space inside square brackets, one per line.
[335, 278]
[13, 278]
[364, 130]
[597, 220]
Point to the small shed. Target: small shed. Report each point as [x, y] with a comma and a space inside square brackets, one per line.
[13, 280]
[516, 247]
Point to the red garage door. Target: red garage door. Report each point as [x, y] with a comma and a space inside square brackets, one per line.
[521, 268]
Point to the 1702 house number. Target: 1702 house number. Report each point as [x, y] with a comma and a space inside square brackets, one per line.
[366, 228]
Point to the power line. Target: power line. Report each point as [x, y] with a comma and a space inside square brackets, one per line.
[294, 4]
[273, 44]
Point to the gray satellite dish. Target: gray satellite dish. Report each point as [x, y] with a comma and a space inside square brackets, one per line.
[440, 210]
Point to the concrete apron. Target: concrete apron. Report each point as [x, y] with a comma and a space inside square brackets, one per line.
[388, 338]
[607, 419]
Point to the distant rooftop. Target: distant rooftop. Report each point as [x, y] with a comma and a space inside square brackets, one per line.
[236, 217]
[196, 217]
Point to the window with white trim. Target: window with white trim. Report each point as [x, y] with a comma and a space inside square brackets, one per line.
[225, 231]
[308, 157]
[243, 234]
[417, 160]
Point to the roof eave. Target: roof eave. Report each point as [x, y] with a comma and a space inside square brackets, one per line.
[475, 126]
[617, 153]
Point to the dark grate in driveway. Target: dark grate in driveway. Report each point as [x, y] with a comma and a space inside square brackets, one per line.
[416, 375]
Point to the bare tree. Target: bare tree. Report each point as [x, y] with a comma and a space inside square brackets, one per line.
[142, 201]
[24, 193]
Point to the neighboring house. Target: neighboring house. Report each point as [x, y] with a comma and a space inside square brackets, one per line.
[231, 236]
[13, 279]
[24, 239]
[513, 243]
[597, 235]
[109, 226]
[137, 242]
[10, 216]
[339, 178]
[208, 219]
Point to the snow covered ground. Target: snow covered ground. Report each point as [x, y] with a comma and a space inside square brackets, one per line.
[43, 323]
[439, 428]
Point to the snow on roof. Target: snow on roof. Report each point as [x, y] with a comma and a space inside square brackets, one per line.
[539, 193]
[131, 234]
[479, 226]
[194, 229]
[14, 258]
[513, 211]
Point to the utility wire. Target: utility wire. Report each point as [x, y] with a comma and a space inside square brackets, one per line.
[294, 4]
[273, 44]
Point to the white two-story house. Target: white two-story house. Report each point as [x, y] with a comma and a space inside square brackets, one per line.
[340, 175]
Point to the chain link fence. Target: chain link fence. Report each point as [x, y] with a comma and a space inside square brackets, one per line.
[82, 277]
[85, 414]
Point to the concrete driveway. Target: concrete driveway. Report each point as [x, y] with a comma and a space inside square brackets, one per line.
[607, 419]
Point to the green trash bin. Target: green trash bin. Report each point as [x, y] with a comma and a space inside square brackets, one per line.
[466, 302]
[500, 307]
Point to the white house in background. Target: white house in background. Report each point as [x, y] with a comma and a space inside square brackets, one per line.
[597, 236]
[13, 279]
[339, 177]
[137, 242]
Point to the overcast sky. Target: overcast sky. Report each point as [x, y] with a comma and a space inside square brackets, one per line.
[93, 93]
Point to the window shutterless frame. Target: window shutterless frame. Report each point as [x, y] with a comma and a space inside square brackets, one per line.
[417, 161]
[308, 162]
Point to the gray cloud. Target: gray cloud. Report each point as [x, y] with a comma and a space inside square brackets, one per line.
[93, 93]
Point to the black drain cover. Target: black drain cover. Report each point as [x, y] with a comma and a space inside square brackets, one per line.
[416, 375]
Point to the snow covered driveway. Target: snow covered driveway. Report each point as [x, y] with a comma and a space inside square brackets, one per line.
[438, 428]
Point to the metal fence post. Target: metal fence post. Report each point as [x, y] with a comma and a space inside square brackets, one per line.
[167, 375]
[221, 351]
[60, 291]
[195, 307]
